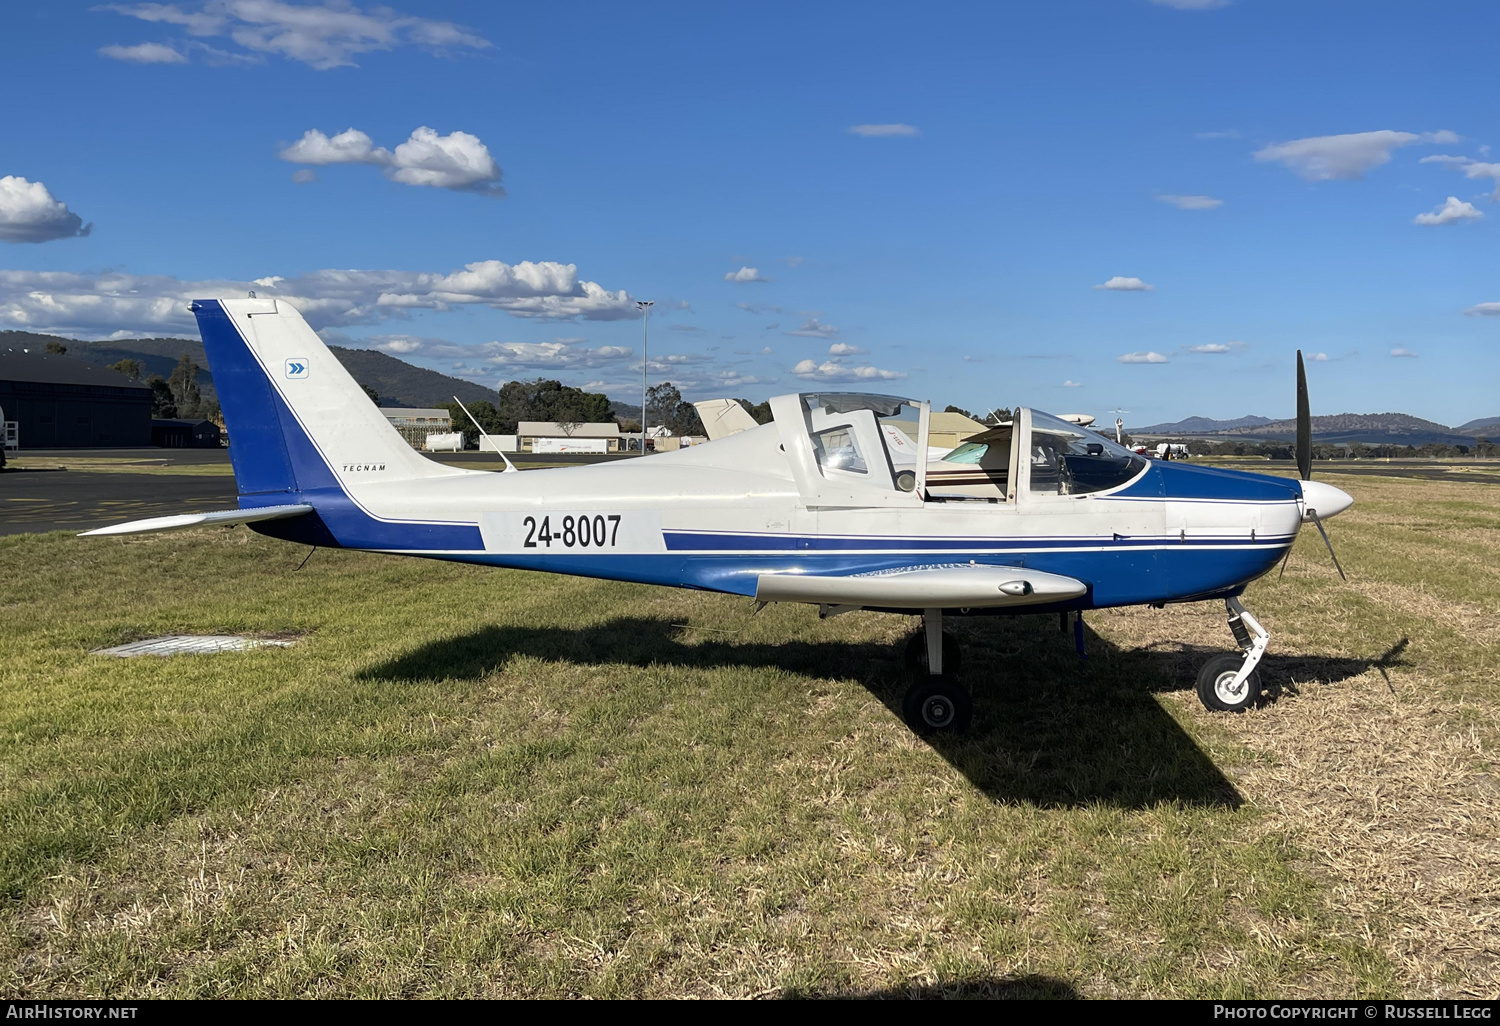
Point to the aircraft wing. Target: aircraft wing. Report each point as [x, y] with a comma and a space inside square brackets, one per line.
[939, 586]
[723, 417]
[228, 516]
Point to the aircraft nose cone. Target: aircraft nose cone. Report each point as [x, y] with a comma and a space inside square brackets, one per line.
[1327, 500]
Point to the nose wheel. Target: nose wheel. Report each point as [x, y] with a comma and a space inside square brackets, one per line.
[1229, 682]
[936, 703]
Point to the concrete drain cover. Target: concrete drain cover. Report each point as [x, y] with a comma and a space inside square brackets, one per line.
[189, 644]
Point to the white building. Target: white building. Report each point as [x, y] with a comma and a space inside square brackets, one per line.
[556, 436]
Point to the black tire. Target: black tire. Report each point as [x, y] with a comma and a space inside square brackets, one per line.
[937, 706]
[1217, 673]
[916, 653]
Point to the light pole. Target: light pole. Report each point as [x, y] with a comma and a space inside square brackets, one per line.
[645, 306]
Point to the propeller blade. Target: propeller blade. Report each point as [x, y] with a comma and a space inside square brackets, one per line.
[1304, 424]
[1319, 522]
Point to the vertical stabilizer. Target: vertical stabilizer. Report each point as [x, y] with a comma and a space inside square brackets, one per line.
[297, 420]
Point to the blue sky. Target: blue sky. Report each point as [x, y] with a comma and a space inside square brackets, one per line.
[926, 201]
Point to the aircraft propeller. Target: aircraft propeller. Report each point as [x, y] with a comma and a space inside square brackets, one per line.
[1304, 465]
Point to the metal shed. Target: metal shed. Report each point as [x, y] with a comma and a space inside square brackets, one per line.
[57, 402]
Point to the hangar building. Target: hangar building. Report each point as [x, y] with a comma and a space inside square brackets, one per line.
[59, 403]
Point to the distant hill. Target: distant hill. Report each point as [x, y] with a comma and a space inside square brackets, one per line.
[1487, 426]
[1371, 428]
[1196, 424]
[1374, 428]
[396, 382]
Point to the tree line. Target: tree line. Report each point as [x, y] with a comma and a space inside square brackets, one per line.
[174, 397]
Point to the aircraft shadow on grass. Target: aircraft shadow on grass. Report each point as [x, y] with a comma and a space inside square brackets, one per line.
[1027, 987]
[1049, 729]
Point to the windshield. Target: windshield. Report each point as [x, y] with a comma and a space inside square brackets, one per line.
[1070, 460]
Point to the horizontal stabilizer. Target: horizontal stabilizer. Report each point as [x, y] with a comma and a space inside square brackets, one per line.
[225, 517]
[944, 586]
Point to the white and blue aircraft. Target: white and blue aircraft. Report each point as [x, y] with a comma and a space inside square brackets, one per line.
[836, 503]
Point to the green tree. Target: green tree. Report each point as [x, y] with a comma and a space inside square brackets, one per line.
[132, 369]
[55, 348]
[760, 411]
[374, 395]
[548, 399]
[163, 404]
[960, 409]
[184, 385]
[665, 407]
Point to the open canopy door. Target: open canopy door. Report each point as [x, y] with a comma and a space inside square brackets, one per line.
[854, 449]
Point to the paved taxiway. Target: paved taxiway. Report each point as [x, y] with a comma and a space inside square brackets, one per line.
[108, 486]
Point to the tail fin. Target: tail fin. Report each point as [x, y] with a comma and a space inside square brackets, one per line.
[723, 417]
[298, 422]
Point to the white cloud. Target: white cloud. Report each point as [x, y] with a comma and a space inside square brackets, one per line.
[1317, 357]
[1191, 202]
[97, 304]
[1472, 169]
[304, 175]
[829, 370]
[1193, 5]
[813, 328]
[145, 53]
[1325, 157]
[745, 274]
[1398, 351]
[793, 261]
[883, 131]
[350, 146]
[1122, 284]
[456, 161]
[1484, 310]
[1232, 133]
[1072, 384]
[1141, 358]
[1451, 212]
[323, 36]
[487, 358]
[844, 349]
[1216, 348]
[767, 351]
[29, 213]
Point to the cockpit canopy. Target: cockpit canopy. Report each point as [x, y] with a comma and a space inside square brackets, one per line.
[864, 449]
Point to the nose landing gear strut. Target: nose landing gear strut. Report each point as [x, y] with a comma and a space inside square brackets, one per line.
[937, 703]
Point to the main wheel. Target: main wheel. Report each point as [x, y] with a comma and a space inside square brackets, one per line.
[916, 653]
[1216, 688]
[937, 706]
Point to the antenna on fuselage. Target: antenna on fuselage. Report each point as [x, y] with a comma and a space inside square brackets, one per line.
[509, 466]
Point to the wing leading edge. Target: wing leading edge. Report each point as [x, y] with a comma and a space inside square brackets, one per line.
[943, 586]
[224, 517]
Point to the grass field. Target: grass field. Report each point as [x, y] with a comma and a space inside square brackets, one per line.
[468, 782]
